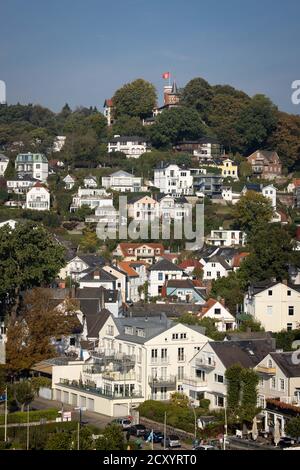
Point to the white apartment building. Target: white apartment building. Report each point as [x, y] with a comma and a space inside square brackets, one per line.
[133, 146]
[3, 164]
[143, 209]
[171, 208]
[215, 268]
[162, 272]
[33, 164]
[91, 198]
[122, 181]
[228, 238]
[38, 198]
[276, 306]
[204, 376]
[20, 184]
[173, 179]
[270, 192]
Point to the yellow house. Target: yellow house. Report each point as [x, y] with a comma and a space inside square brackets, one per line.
[229, 169]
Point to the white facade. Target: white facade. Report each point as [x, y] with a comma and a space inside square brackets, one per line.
[20, 184]
[173, 180]
[122, 181]
[69, 182]
[158, 277]
[270, 193]
[90, 197]
[90, 182]
[218, 312]
[277, 307]
[145, 208]
[3, 164]
[213, 270]
[38, 199]
[230, 196]
[33, 164]
[170, 208]
[227, 238]
[133, 147]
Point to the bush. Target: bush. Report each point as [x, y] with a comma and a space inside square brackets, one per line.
[34, 416]
[205, 403]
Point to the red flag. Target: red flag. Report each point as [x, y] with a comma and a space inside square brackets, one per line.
[166, 75]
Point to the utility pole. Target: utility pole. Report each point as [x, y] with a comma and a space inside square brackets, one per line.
[27, 444]
[225, 426]
[165, 429]
[5, 417]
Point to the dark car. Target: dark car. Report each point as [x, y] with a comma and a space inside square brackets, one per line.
[138, 430]
[157, 436]
[286, 442]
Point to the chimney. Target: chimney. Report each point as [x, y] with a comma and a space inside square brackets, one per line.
[96, 274]
[285, 282]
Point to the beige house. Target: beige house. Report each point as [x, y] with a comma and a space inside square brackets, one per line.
[275, 305]
[143, 208]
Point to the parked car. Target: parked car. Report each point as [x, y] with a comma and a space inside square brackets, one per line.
[205, 447]
[138, 430]
[125, 423]
[172, 441]
[286, 442]
[157, 436]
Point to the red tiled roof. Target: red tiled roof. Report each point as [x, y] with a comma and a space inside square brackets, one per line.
[125, 266]
[190, 263]
[109, 102]
[237, 259]
[296, 182]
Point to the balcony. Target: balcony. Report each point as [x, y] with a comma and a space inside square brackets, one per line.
[266, 370]
[196, 383]
[97, 391]
[169, 381]
[160, 360]
[205, 363]
[119, 377]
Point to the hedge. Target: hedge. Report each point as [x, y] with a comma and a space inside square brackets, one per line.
[34, 416]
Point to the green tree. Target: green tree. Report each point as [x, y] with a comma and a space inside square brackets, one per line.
[286, 139]
[86, 441]
[248, 407]
[23, 393]
[175, 125]
[111, 439]
[252, 211]
[293, 428]
[245, 169]
[233, 376]
[179, 399]
[137, 98]
[59, 441]
[198, 94]
[256, 122]
[230, 289]
[29, 257]
[89, 241]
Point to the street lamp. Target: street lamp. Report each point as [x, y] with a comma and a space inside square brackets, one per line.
[81, 409]
[195, 420]
[225, 424]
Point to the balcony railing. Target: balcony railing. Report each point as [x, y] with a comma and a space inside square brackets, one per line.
[266, 370]
[160, 360]
[169, 381]
[196, 382]
[119, 377]
[103, 392]
[205, 363]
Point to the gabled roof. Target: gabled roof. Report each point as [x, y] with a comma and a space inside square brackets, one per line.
[95, 322]
[264, 285]
[284, 360]
[100, 274]
[220, 260]
[126, 267]
[238, 258]
[124, 247]
[121, 173]
[97, 293]
[190, 263]
[108, 102]
[165, 265]
[246, 353]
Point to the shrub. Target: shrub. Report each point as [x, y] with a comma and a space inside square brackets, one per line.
[34, 416]
[205, 403]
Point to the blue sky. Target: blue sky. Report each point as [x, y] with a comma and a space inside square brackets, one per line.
[80, 52]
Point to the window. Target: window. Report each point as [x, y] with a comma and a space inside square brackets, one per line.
[180, 354]
[273, 383]
[270, 363]
[289, 326]
[160, 276]
[164, 356]
[140, 332]
[128, 330]
[217, 311]
[218, 274]
[269, 310]
[282, 384]
[219, 401]
[208, 274]
[289, 293]
[182, 335]
[110, 330]
[219, 378]
[180, 372]
[175, 336]
[270, 292]
[291, 310]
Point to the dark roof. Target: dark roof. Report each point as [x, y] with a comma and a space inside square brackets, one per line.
[261, 286]
[203, 140]
[23, 178]
[174, 310]
[109, 295]
[95, 322]
[183, 283]
[131, 138]
[218, 259]
[165, 265]
[226, 252]
[90, 259]
[253, 187]
[248, 335]
[103, 275]
[246, 353]
[286, 364]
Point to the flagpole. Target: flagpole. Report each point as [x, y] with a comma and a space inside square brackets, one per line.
[5, 417]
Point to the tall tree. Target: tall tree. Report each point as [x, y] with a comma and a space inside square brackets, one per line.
[286, 139]
[176, 124]
[29, 257]
[252, 210]
[30, 337]
[198, 94]
[137, 98]
[256, 122]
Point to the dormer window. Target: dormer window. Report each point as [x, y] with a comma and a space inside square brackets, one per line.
[128, 330]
